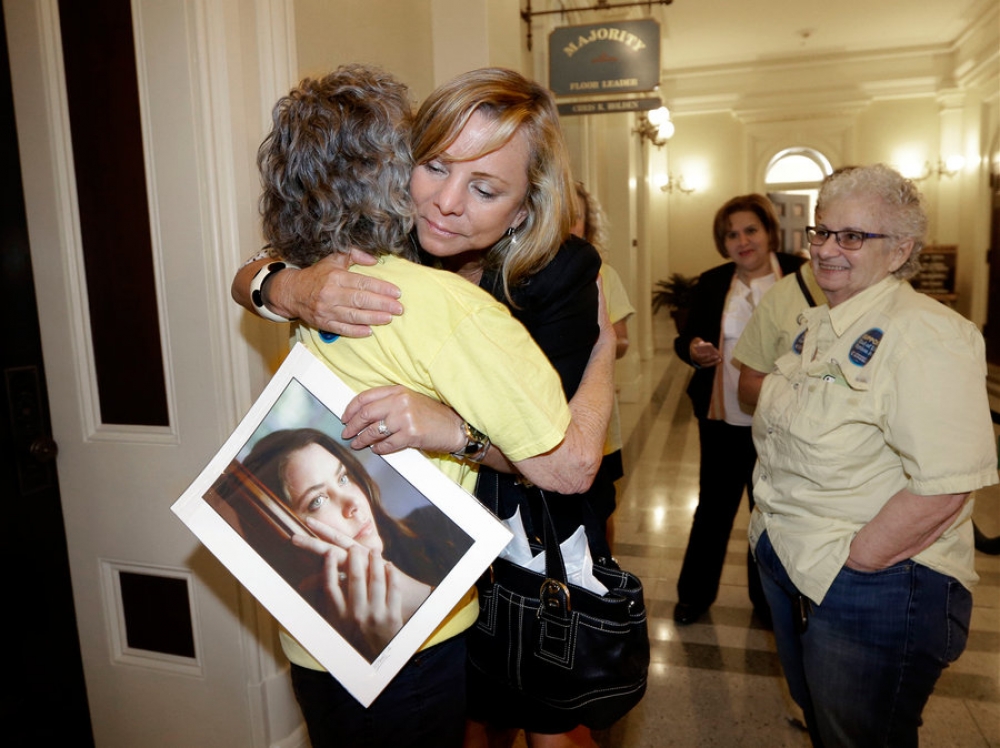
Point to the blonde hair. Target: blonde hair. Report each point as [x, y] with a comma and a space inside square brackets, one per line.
[510, 103]
[594, 221]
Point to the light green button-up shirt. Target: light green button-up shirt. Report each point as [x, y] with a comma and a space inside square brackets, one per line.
[888, 392]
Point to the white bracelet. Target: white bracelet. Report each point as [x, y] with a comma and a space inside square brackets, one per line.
[257, 297]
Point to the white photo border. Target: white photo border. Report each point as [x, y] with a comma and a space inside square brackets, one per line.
[362, 679]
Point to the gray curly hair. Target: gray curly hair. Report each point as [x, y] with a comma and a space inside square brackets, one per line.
[898, 204]
[336, 167]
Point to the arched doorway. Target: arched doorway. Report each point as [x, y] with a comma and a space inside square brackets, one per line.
[793, 177]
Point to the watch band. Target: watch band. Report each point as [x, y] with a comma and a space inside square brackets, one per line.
[257, 286]
[477, 444]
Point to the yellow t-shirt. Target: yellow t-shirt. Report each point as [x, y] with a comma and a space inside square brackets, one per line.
[888, 393]
[619, 308]
[456, 344]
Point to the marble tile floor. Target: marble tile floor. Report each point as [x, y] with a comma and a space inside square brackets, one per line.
[718, 682]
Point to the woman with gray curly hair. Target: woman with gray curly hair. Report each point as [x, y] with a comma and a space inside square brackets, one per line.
[871, 434]
[335, 168]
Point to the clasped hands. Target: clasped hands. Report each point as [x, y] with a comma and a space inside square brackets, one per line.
[366, 597]
[704, 354]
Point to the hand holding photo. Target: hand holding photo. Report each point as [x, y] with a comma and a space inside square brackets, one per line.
[373, 550]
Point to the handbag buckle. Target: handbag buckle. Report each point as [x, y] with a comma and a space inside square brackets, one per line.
[554, 596]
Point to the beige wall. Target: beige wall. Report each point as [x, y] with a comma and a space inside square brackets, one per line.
[422, 42]
[899, 129]
[709, 148]
[394, 35]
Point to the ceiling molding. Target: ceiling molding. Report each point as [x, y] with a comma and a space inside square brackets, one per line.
[813, 60]
[768, 89]
[774, 112]
[902, 88]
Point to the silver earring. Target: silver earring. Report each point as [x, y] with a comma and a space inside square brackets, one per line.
[512, 235]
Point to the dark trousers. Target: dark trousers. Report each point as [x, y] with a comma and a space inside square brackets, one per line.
[423, 706]
[727, 461]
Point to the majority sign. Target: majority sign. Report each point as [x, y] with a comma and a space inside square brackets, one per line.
[605, 58]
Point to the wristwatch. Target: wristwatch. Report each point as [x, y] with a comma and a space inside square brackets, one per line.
[477, 444]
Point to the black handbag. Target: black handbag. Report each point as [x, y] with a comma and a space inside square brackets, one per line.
[573, 650]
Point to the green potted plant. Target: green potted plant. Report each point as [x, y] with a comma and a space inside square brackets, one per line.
[676, 294]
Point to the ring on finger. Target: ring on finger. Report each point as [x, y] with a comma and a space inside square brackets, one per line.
[383, 430]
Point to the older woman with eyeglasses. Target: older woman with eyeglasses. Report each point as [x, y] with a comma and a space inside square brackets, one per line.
[871, 434]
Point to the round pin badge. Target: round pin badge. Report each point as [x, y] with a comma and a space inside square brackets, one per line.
[799, 342]
[865, 346]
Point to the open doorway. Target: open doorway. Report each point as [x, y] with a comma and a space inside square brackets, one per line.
[793, 178]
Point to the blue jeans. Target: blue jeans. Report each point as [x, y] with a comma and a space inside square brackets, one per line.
[423, 706]
[863, 663]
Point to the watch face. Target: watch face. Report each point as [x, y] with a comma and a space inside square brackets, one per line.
[475, 441]
[472, 443]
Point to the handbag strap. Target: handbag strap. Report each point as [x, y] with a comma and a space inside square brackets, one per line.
[555, 567]
[488, 489]
[803, 287]
[555, 589]
[554, 598]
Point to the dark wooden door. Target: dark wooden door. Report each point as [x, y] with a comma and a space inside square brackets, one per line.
[46, 701]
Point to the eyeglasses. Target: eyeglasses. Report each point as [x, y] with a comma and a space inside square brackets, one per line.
[846, 238]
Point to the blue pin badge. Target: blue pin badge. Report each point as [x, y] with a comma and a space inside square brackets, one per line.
[865, 346]
[799, 342]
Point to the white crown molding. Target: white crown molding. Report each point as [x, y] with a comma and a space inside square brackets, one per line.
[902, 88]
[973, 59]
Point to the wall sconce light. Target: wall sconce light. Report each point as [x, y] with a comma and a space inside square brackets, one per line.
[675, 184]
[948, 167]
[655, 126]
